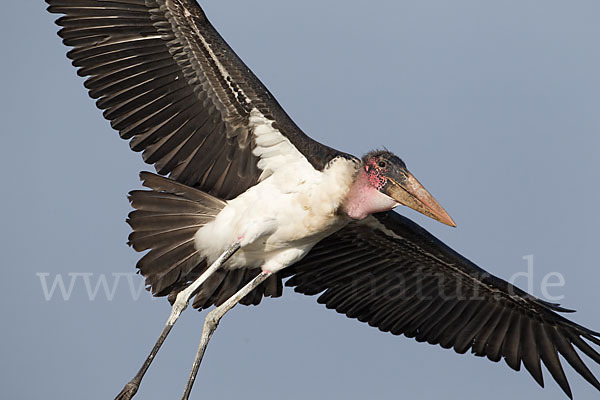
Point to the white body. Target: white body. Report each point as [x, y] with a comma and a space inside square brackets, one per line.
[281, 218]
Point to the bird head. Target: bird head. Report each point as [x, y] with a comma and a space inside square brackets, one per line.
[384, 182]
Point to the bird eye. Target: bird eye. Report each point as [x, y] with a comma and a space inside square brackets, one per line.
[382, 164]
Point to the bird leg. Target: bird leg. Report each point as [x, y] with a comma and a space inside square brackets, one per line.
[179, 305]
[212, 321]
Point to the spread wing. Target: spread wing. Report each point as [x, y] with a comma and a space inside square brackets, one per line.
[391, 273]
[170, 84]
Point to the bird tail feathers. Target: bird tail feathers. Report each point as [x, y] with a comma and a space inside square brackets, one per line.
[165, 221]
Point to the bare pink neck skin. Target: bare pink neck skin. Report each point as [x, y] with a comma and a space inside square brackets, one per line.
[364, 199]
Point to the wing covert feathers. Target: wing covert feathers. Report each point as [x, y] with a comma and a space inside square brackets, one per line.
[395, 276]
[169, 83]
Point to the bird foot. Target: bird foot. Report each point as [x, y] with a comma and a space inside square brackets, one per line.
[128, 391]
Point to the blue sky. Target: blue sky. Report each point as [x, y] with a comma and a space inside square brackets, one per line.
[492, 105]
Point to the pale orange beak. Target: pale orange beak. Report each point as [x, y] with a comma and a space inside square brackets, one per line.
[412, 194]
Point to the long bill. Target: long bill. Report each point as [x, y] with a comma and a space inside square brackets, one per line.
[412, 194]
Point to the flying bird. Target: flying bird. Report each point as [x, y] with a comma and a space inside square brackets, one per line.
[242, 198]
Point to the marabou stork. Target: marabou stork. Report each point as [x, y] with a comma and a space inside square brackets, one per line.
[250, 199]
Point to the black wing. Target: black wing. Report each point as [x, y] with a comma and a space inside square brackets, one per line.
[391, 273]
[169, 82]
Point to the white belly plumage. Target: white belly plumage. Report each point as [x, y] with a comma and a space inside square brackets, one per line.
[281, 218]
